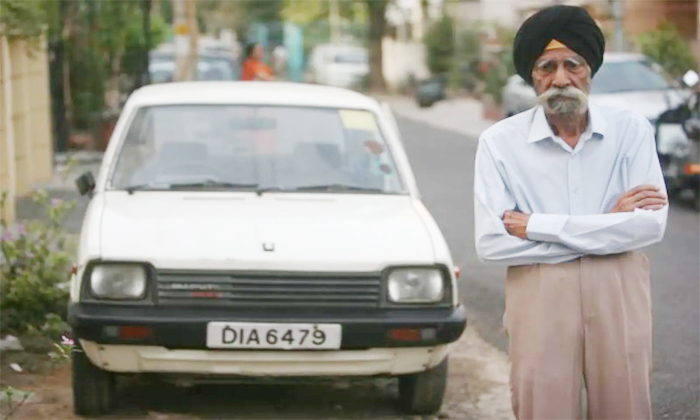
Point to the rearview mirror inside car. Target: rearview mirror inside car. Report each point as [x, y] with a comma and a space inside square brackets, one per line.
[85, 183]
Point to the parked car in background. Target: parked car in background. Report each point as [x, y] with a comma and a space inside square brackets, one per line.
[240, 230]
[430, 91]
[342, 65]
[627, 80]
[213, 63]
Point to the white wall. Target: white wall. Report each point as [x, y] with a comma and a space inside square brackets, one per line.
[400, 59]
[512, 12]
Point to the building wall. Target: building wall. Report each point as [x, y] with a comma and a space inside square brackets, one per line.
[402, 60]
[25, 121]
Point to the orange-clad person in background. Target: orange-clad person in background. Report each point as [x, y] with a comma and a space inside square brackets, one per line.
[253, 66]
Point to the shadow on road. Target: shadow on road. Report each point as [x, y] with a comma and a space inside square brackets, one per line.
[375, 399]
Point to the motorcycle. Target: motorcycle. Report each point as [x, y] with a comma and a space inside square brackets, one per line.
[678, 145]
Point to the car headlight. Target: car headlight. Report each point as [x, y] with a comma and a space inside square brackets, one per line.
[118, 281]
[416, 285]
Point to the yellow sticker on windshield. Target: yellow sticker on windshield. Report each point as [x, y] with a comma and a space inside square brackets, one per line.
[358, 120]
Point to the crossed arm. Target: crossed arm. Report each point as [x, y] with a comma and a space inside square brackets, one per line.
[510, 237]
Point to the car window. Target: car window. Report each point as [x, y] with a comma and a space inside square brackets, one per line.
[625, 76]
[208, 68]
[350, 58]
[266, 146]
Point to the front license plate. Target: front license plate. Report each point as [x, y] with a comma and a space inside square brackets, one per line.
[253, 335]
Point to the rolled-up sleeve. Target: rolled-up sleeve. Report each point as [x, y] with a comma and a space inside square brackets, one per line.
[493, 243]
[611, 233]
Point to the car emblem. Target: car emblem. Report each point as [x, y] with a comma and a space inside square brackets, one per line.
[268, 246]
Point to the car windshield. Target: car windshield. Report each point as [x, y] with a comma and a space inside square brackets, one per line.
[626, 76]
[208, 68]
[260, 148]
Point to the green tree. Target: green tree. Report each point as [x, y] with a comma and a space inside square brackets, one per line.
[666, 46]
[467, 56]
[22, 19]
[440, 45]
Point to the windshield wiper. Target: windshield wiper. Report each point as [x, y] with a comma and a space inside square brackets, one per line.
[209, 184]
[260, 191]
[338, 187]
[131, 188]
[184, 185]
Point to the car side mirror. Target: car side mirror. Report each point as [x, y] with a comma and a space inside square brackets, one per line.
[690, 78]
[85, 184]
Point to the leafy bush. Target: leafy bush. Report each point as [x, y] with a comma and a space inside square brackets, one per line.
[500, 65]
[35, 264]
[464, 72]
[440, 45]
[666, 46]
[21, 19]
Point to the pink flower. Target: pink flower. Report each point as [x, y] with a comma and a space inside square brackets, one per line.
[55, 202]
[67, 341]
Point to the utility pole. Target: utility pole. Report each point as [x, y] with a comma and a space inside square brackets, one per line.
[194, 39]
[334, 19]
[618, 11]
[186, 31]
[180, 31]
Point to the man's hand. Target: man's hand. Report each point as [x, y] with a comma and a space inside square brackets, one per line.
[516, 223]
[646, 197]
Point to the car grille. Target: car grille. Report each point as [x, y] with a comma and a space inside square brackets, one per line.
[269, 290]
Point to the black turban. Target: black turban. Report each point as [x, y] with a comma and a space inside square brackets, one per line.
[570, 25]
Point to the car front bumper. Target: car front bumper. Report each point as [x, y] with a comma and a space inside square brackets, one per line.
[176, 342]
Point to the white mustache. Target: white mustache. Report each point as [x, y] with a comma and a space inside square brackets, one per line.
[564, 100]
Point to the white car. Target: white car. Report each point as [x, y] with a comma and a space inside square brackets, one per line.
[259, 229]
[339, 65]
[626, 80]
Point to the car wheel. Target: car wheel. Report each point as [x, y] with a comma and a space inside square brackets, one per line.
[94, 389]
[422, 393]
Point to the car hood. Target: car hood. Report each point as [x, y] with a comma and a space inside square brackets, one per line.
[314, 232]
[650, 103]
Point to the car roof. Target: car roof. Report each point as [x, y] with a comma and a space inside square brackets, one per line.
[259, 93]
[611, 57]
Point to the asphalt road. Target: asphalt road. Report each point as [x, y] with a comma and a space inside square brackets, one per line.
[443, 164]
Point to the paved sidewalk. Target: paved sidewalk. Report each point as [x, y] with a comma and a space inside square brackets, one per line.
[460, 115]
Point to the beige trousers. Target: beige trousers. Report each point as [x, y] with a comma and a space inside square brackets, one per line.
[580, 324]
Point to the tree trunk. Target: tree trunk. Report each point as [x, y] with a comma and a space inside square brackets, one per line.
[377, 25]
[58, 49]
[145, 78]
[66, 33]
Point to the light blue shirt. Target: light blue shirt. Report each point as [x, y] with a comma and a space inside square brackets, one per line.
[521, 165]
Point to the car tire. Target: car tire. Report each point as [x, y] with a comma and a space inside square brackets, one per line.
[422, 393]
[94, 389]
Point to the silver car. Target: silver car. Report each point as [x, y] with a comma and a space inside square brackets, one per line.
[626, 80]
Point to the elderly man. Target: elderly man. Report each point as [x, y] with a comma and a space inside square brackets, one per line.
[565, 195]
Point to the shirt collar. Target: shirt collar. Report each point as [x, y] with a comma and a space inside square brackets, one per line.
[540, 129]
